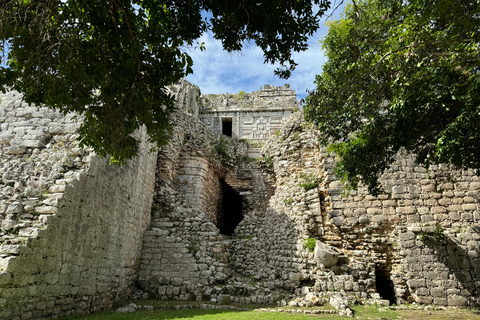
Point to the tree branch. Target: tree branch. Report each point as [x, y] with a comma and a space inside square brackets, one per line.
[112, 15]
[126, 16]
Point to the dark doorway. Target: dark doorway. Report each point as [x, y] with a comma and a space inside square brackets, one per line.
[384, 284]
[227, 126]
[230, 213]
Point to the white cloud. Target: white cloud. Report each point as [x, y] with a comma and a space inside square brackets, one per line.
[216, 71]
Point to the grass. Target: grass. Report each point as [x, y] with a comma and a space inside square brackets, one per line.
[374, 312]
[200, 314]
[361, 312]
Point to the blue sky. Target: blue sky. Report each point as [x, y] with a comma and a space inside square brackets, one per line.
[216, 71]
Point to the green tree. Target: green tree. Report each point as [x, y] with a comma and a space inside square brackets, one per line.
[111, 60]
[400, 74]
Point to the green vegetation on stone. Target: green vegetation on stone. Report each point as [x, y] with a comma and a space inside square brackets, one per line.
[308, 182]
[221, 149]
[309, 244]
[437, 235]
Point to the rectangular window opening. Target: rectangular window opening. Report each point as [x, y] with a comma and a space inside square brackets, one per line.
[227, 126]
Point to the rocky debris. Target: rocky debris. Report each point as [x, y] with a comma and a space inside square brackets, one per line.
[309, 300]
[299, 311]
[132, 307]
[341, 304]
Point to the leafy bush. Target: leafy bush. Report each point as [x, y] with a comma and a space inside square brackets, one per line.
[437, 235]
[221, 149]
[268, 161]
[309, 244]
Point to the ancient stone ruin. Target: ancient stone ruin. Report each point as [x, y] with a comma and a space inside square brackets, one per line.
[255, 215]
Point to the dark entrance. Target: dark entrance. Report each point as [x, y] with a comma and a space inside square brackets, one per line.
[227, 126]
[384, 284]
[229, 214]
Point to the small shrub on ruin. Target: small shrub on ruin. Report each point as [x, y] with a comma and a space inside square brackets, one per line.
[309, 244]
[221, 149]
[308, 182]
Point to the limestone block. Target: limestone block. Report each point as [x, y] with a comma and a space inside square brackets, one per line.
[28, 232]
[380, 219]
[31, 191]
[438, 292]
[12, 249]
[9, 224]
[374, 211]
[416, 283]
[364, 220]
[457, 300]
[46, 210]
[4, 263]
[454, 207]
[325, 254]
[14, 208]
[438, 209]
[6, 137]
[58, 188]
[469, 206]
[467, 216]
[475, 185]
[16, 149]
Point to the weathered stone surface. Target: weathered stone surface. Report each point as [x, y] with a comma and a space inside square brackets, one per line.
[254, 116]
[77, 232]
[325, 254]
[64, 252]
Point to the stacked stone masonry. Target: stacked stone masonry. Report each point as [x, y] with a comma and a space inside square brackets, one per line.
[71, 224]
[254, 116]
[78, 234]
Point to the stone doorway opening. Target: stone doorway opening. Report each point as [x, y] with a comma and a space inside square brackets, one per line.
[230, 213]
[227, 126]
[384, 283]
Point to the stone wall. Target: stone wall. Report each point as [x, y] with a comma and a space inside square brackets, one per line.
[417, 242]
[198, 183]
[253, 116]
[72, 225]
[77, 233]
[184, 255]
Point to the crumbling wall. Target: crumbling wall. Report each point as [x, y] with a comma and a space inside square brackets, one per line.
[269, 246]
[72, 225]
[300, 232]
[423, 231]
[420, 237]
[77, 233]
[184, 254]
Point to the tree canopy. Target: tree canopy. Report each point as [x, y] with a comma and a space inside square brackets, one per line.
[111, 60]
[400, 74]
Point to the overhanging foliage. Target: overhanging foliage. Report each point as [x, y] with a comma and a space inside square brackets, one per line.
[400, 74]
[111, 60]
